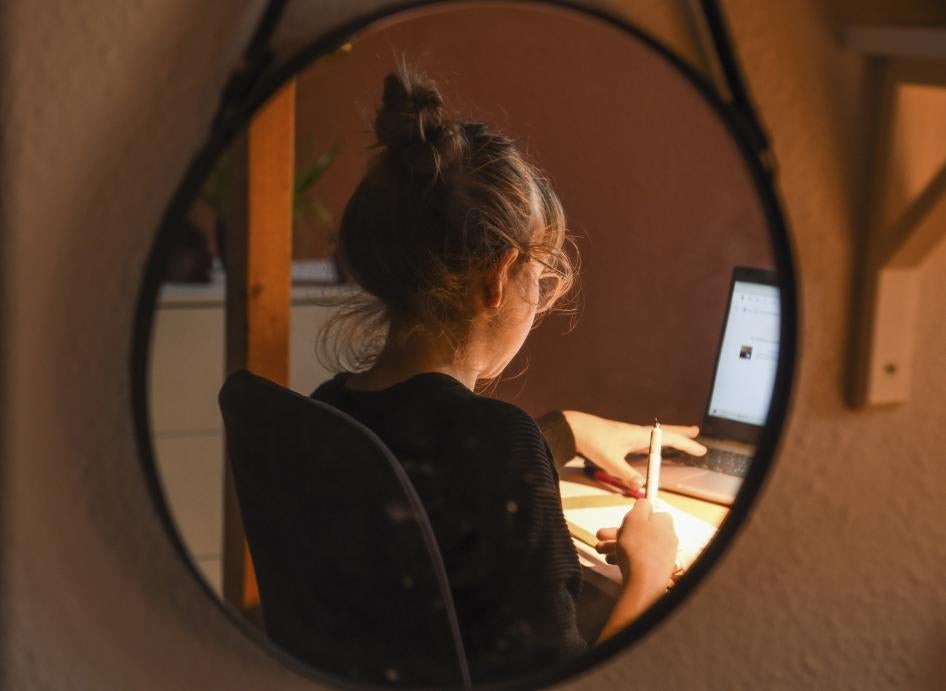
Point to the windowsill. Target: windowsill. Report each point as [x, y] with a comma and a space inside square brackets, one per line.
[312, 280]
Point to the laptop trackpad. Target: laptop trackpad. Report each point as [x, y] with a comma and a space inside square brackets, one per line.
[713, 486]
[695, 482]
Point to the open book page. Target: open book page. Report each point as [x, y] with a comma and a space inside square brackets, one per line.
[589, 507]
[692, 533]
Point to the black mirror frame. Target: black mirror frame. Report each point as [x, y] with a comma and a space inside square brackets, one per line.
[238, 105]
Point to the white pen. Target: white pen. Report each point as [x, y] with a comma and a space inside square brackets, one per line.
[653, 463]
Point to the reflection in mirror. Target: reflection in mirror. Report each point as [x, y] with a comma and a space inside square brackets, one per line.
[437, 182]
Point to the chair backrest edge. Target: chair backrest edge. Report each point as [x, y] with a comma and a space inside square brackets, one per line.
[427, 531]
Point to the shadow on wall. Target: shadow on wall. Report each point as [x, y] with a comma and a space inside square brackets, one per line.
[654, 188]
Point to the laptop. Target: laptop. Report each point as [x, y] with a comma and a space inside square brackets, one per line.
[739, 399]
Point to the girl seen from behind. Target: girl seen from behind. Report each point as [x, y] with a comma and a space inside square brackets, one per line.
[457, 242]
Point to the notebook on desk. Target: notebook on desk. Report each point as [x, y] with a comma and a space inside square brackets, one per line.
[588, 508]
[738, 403]
[692, 533]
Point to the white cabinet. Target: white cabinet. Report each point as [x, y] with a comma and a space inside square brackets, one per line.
[187, 350]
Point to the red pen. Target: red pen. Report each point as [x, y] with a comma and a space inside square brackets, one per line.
[616, 483]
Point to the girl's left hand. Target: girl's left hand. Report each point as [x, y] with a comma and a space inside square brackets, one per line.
[606, 442]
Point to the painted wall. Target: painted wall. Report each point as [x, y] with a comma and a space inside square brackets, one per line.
[836, 582]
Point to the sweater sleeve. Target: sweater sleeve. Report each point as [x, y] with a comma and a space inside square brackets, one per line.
[559, 436]
[533, 578]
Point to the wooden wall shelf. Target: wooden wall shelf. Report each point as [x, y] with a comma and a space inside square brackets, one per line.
[900, 230]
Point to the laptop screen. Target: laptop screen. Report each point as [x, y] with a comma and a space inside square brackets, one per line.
[748, 354]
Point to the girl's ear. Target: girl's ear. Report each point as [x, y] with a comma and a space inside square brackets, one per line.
[496, 280]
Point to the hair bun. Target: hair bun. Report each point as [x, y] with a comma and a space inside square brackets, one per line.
[411, 123]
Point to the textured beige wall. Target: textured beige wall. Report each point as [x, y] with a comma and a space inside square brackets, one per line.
[836, 583]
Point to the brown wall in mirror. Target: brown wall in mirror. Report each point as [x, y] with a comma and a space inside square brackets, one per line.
[653, 186]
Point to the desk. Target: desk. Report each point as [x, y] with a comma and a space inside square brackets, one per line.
[580, 492]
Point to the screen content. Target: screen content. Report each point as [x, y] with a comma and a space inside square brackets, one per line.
[745, 373]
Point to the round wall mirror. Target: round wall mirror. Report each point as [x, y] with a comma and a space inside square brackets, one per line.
[465, 346]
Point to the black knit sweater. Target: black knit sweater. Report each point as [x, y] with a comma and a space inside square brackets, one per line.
[487, 478]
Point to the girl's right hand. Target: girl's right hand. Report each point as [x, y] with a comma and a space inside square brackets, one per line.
[644, 547]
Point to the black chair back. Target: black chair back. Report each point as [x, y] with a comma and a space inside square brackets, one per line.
[350, 577]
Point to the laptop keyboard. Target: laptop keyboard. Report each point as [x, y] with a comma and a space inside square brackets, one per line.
[728, 462]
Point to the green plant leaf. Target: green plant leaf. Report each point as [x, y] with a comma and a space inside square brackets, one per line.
[305, 178]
